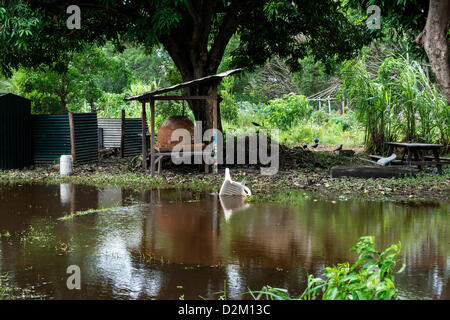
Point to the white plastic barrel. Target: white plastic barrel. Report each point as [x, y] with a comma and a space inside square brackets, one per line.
[65, 165]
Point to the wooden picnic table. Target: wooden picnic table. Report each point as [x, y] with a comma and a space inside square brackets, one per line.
[415, 155]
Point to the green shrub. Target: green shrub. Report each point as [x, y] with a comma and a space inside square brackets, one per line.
[282, 113]
[228, 106]
[370, 278]
[346, 121]
[320, 116]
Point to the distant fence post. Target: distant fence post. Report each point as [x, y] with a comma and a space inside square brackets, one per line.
[329, 104]
[122, 135]
[72, 137]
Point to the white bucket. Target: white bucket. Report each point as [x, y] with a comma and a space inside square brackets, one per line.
[65, 165]
[65, 193]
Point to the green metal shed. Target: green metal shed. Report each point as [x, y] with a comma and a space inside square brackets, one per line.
[15, 132]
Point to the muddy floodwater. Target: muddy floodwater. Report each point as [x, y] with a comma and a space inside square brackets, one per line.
[163, 244]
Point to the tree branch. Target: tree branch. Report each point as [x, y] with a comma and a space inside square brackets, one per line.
[226, 31]
[192, 12]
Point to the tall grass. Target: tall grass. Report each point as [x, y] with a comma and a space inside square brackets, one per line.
[399, 103]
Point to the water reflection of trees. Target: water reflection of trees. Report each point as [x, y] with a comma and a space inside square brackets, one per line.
[422, 231]
[308, 236]
[264, 244]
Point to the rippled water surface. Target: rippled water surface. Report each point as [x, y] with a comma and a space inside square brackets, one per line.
[163, 244]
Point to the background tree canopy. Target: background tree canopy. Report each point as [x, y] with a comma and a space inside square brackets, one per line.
[425, 22]
[290, 50]
[195, 33]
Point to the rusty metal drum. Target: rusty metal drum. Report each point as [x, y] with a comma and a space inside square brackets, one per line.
[164, 137]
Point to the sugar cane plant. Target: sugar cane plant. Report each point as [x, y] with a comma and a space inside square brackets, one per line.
[398, 103]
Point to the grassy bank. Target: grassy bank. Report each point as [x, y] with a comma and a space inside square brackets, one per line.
[287, 186]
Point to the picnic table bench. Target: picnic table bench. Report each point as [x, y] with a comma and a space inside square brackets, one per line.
[414, 153]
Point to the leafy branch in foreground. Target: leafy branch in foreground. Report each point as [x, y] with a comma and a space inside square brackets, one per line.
[3, 288]
[370, 278]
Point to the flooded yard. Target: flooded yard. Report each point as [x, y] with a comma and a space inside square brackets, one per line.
[165, 244]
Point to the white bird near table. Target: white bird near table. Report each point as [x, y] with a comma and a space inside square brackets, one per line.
[233, 188]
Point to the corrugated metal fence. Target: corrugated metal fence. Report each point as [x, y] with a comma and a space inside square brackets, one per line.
[133, 139]
[112, 131]
[51, 137]
[42, 139]
[86, 137]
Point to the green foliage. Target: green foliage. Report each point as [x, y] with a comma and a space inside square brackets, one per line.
[98, 76]
[409, 16]
[400, 103]
[5, 290]
[282, 113]
[110, 105]
[87, 76]
[228, 106]
[371, 277]
[40, 87]
[173, 75]
[329, 131]
[313, 76]
[266, 29]
[274, 27]
[346, 121]
[332, 129]
[19, 20]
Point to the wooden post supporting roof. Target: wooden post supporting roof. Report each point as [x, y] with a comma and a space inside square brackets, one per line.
[122, 135]
[152, 137]
[144, 137]
[215, 115]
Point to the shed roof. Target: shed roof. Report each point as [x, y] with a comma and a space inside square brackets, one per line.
[187, 84]
[2, 94]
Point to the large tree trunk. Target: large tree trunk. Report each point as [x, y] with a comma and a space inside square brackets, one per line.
[197, 56]
[63, 93]
[436, 42]
[203, 110]
[194, 66]
[63, 104]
